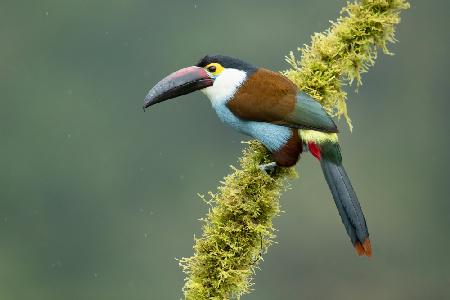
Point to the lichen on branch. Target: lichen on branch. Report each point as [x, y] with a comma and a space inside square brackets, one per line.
[342, 53]
[238, 228]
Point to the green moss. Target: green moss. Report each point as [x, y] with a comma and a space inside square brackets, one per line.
[345, 51]
[238, 228]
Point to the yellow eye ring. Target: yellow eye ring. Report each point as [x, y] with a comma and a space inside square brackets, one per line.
[214, 68]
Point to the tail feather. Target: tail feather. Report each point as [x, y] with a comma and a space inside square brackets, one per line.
[345, 197]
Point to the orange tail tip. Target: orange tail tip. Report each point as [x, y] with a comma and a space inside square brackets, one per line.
[364, 249]
[367, 247]
[359, 249]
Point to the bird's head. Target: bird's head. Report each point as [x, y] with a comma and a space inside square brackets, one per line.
[217, 76]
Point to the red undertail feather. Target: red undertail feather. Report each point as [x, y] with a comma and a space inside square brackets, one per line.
[315, 150]
[364, 249]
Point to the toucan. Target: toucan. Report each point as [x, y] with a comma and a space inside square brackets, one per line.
[270, 108]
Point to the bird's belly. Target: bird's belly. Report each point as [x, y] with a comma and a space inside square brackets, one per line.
[272, 136]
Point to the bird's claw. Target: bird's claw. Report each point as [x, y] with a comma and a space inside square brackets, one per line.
[268, 168]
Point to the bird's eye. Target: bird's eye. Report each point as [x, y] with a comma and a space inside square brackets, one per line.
[212, 69]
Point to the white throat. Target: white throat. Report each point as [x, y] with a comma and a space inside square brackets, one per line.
[225, 86]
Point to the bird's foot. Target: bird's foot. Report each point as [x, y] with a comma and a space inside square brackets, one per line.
[268, 168]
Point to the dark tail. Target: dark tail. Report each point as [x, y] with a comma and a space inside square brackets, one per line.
[344, 196]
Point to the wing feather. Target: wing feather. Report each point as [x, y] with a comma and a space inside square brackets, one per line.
[270, 97]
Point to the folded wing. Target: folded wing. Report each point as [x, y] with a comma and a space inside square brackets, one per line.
[270, 97]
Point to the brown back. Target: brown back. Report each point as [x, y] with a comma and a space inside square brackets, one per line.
[266, 96]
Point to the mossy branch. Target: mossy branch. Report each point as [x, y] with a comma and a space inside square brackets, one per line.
[345, 51]
[238, 228]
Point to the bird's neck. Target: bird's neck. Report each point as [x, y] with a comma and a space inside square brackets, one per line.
[225, 86]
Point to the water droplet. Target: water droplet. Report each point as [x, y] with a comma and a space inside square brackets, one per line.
[46, 13]
[146, 235]
[56, 264]
[95, 275]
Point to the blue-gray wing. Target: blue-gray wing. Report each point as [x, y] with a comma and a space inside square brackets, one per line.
[309, 114]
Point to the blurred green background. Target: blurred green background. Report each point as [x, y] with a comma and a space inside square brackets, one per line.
[97, 198]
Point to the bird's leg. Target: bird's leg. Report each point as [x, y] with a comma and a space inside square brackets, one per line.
[305, 147]
[268, 168]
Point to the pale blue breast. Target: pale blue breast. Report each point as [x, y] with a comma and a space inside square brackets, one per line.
[272, 136]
